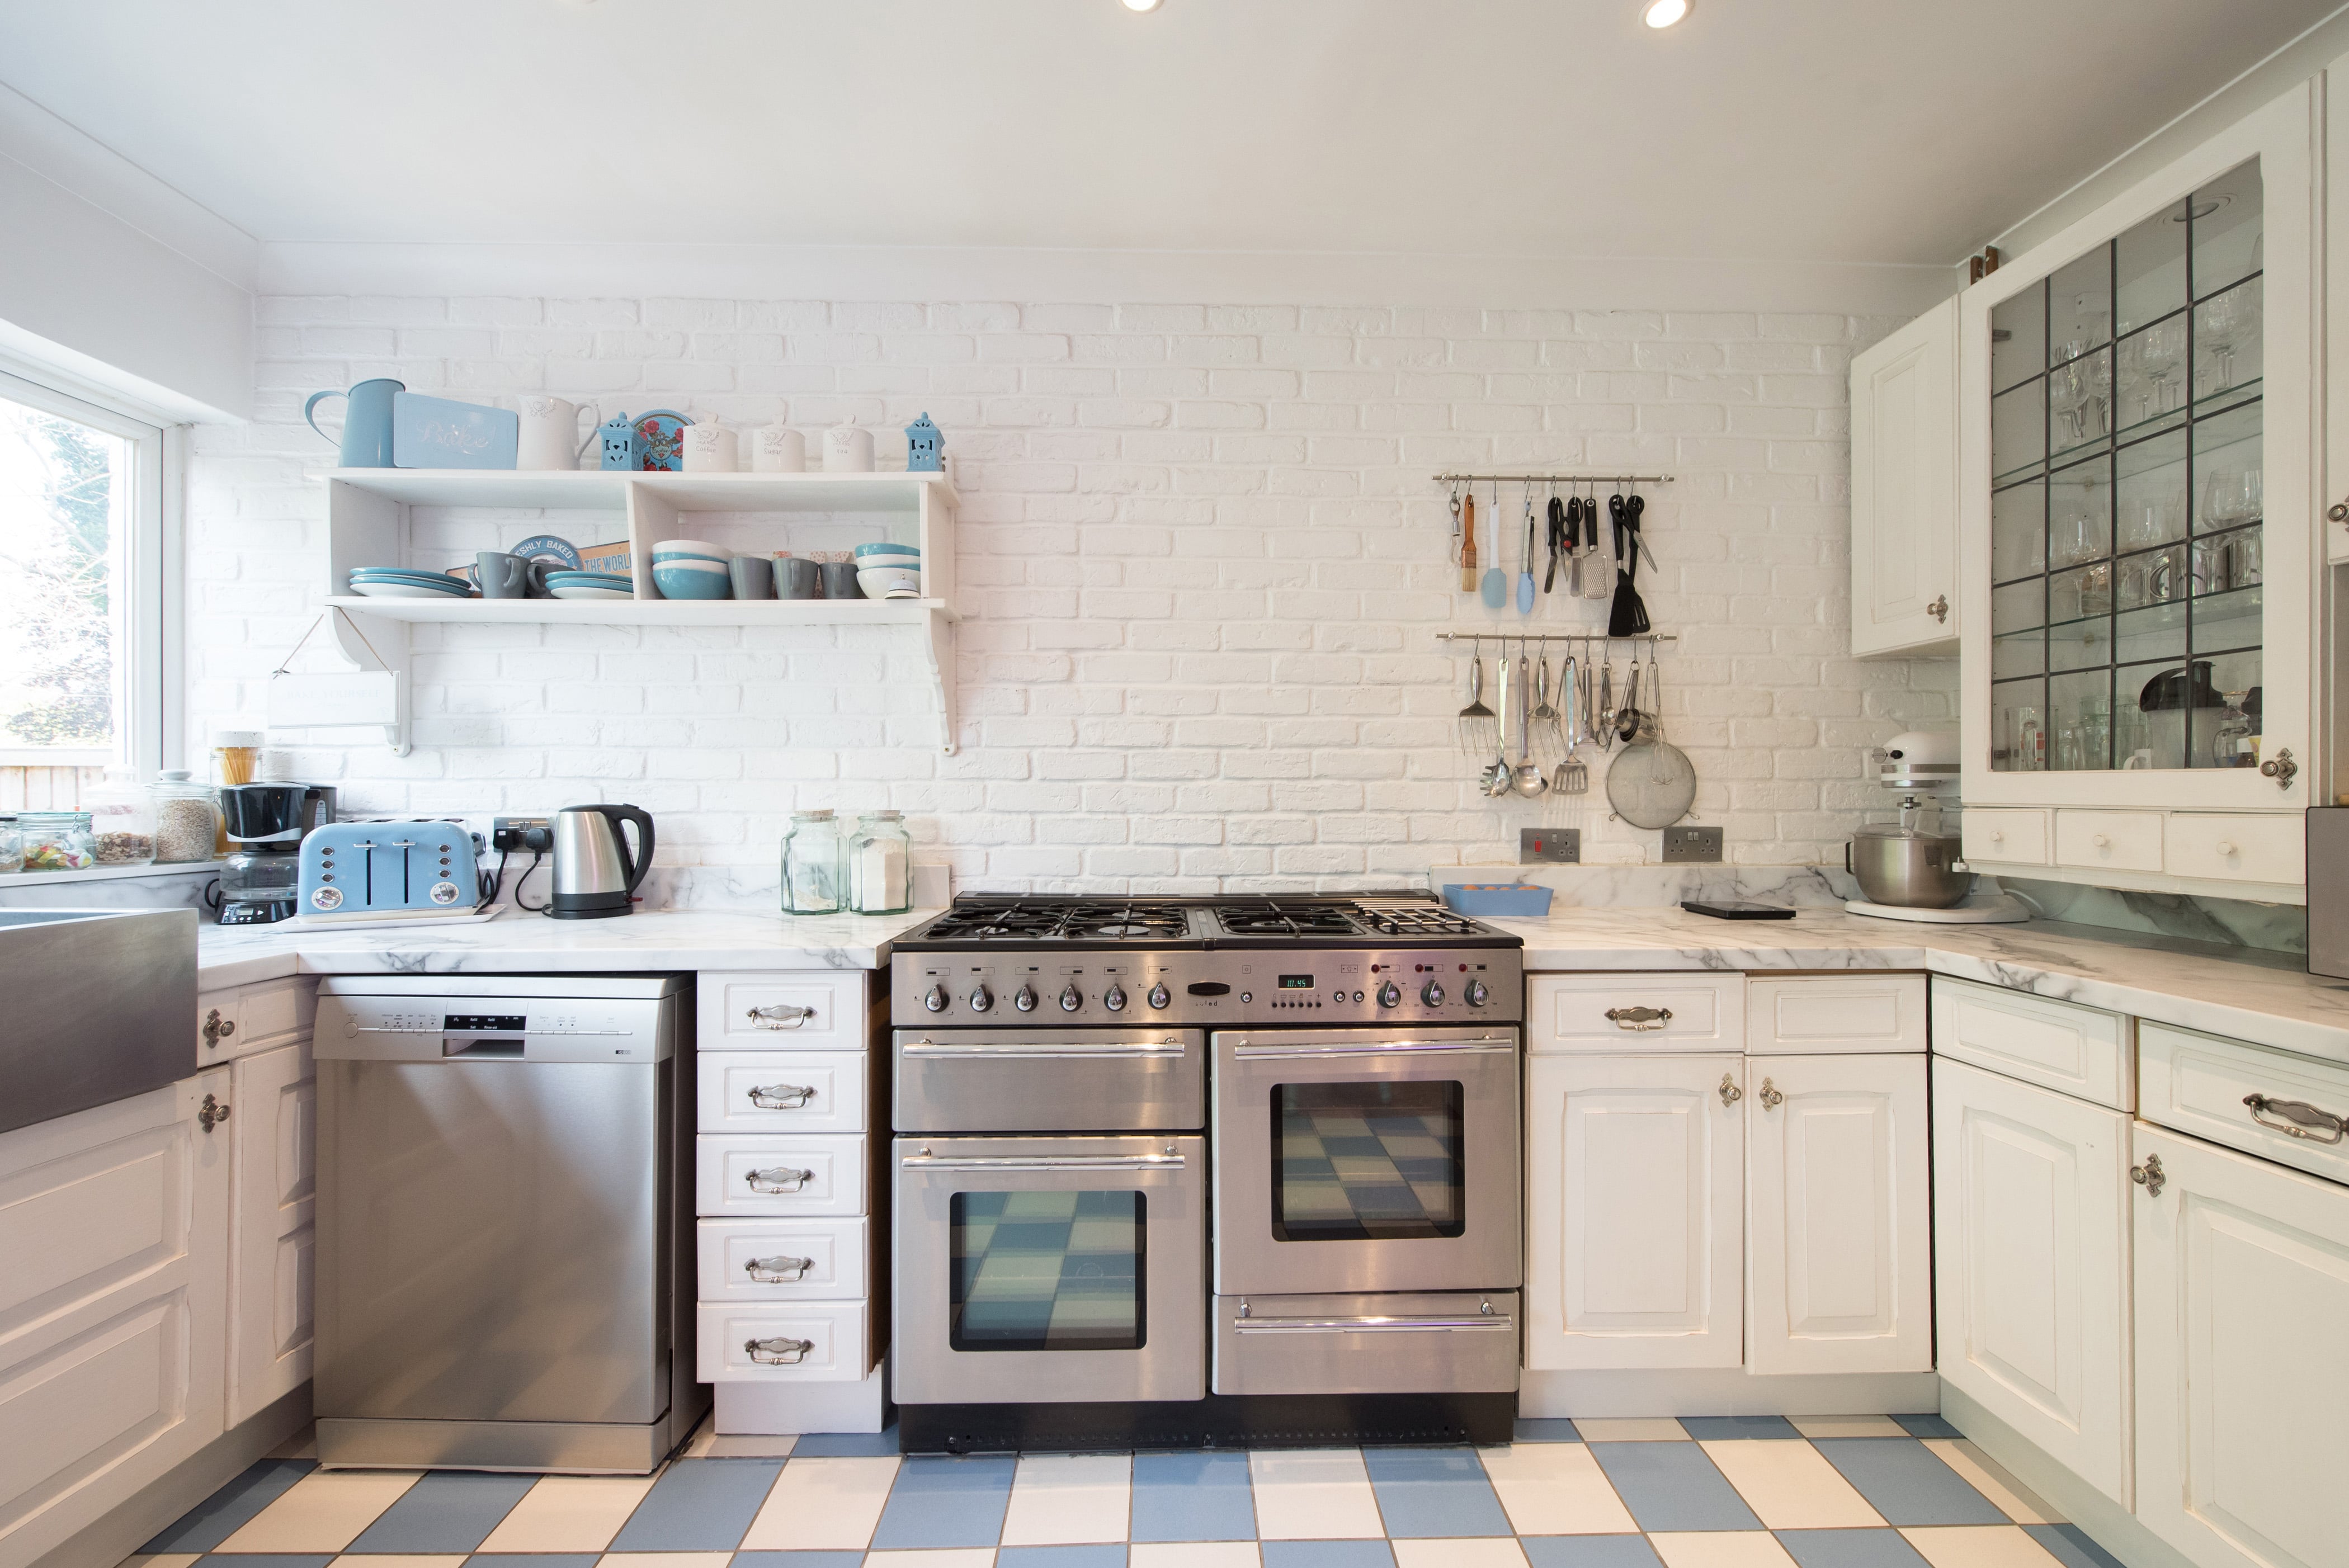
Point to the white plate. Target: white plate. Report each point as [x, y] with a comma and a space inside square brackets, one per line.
[572, 590]
[391, 589]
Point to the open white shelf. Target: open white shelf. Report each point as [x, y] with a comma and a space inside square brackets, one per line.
[653, 612]
[600, 489]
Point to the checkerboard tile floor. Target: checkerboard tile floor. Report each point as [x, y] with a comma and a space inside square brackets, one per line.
[1736, 1491]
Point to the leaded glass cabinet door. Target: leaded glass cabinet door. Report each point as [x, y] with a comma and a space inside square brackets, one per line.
[2136, 493]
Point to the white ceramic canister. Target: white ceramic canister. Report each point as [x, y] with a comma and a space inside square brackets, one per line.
[847, 450]
[549, 435]
[777, 449]
[711, 448]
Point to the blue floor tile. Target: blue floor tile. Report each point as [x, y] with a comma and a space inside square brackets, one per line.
[1672, 1486]
[1849, 1549]
[1589, 1551]
[231, 1507]
[1927, 1426]
[1193, 1497]
[1907, 1482]
[700, 1505]
[1714, 1428]
[1434, 1492]
[444, 1512]
[846, 1444]
[940, 1501]
[1327, 1555]
[1106, 1555]
[2070, 1545]
[1548, 1431]
[748, 1560]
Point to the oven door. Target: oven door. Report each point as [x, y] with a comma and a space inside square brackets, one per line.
[1360, 1160]
[1042, 1079]
[1050, 1270]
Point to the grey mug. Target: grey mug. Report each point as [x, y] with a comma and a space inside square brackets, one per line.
[754, 577]
[840, 581]
[503, 576]
[798, 579]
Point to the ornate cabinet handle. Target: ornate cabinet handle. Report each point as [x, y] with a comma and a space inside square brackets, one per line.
[778, 1179]
[217, 1028]
[212, 1114]
[1729, 1091]
[2279, 767]
[1639, 1018]
[772, 1271]
[1940, 609]
[778, 1351]
[2299, 1118]
[781, 1096]
[2149, 1175]
[781, 1015]
[1771, 1099]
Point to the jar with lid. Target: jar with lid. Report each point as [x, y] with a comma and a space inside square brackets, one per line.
[58, 841]
[187, 819]
[812, 869]
[122, 817]
[12, 846]
[880, 865]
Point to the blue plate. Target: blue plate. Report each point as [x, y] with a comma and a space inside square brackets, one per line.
[385, 574]
[548, 547]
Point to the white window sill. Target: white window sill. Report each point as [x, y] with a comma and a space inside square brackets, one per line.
[109, 873]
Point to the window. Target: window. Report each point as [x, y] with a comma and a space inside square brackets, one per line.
[83, 607]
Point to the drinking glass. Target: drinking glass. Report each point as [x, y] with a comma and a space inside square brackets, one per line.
[2231, 496]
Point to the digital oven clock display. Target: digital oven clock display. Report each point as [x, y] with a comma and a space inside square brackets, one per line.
[1297, 981]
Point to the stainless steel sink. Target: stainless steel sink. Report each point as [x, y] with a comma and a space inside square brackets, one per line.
[98, 1004]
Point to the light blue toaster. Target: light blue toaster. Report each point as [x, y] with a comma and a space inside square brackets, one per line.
[418, 868]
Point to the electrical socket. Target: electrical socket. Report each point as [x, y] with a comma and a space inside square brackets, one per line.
[1683, 845]
[1554, 846]
[509, 834]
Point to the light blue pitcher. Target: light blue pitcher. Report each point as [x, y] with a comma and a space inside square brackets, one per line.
[366, 422]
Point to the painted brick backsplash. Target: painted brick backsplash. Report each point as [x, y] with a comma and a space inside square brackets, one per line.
[1203, 569]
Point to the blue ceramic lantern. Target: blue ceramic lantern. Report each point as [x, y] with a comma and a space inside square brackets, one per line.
[617, 440]
[924, 448]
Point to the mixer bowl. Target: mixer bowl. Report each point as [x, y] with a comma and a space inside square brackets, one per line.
[1907, 869]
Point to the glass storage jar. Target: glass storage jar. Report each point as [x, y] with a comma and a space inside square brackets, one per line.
[881, 865]
[12, 846]
[812, 879]
[187, 819]
[58, 841]
[122, 817]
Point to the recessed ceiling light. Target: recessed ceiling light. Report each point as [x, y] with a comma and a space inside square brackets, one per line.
[1655, 13]
[1141, 5]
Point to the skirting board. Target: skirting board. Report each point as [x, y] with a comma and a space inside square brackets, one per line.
[2113, 1527]
[774, 1410]
[1727, 1392]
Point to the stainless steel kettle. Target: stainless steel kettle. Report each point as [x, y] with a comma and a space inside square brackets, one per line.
[594, 870]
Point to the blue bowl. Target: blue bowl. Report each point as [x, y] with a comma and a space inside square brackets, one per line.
[661, 555]
[886, 548]
[675, 584]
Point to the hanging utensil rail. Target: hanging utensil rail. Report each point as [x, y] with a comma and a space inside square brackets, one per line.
[1556, 479]
[1506, 637]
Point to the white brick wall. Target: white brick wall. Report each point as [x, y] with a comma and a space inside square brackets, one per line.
[1204, 565]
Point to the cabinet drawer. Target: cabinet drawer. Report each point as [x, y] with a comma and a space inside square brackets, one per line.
[2075, 1050]
[821, 1009]
[1651, 1012]
[2203, 1085]
[807, 1342]
[2237, 848]
[1836, 1013]
[782, 1091]
[235, 1022]
[740, 1174]
[2116, 840]
[2018, 837]
[748, 1262]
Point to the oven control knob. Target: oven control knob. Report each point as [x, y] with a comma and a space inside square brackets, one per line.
[982, 999]
[1432, 994]
[1024, 999]
[935, 1001]
[1158, 997]
[1114, 997]
[1071, 1001]
[1475, 994]
[1389, 995]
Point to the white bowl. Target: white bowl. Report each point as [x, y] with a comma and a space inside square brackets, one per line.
[883, 581]
[701, 547]
[685, 563]
[866, 562]
[574, 591]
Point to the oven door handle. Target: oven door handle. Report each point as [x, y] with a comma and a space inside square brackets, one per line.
[1041, 1052]
[1477, 1048]
[1041, 1162]
[1465, 1323]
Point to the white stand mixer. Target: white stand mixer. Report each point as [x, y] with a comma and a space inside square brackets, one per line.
[1921, 766]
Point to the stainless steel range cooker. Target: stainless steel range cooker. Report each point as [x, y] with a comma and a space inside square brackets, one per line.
[1202, 1170]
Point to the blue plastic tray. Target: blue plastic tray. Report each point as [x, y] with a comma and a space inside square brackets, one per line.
[1496, 898]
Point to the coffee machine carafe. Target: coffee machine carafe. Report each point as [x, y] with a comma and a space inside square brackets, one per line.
[265, 824]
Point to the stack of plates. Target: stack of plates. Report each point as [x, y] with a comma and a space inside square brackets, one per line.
[589, 585]
[399, 583]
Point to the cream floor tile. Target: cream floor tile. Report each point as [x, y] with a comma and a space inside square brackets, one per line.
[323, 1512]
[1068, 1500]
[1848, 1427]
[934, 1557]
[823, 1505]
[1555, 1489]
[1313, 1494]
[1995, 1481]
[160, 1560]
[1791, 1485]
[1630, 1429]
[1720, 1549]
[569, 1513]
[722, 1448]
[392, 1560]
[1979, 1546]
[1459, 1552]
[1190, 1555]
[665, 1560]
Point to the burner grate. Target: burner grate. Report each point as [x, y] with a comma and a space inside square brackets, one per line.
[1274, 917]
[1399, 921]
[1061, 919]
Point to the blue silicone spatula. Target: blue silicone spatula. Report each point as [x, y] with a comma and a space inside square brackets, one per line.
[1494, 589]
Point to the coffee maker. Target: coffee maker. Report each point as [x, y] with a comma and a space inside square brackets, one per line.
[265, 824]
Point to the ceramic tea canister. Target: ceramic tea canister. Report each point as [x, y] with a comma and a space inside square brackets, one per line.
[777, 449]
[711, 448]
[847, 450]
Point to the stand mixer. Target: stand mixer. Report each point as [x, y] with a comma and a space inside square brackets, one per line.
[1913, 871]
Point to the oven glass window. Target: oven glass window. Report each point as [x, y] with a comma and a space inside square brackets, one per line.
[1367, 1161]
[1047, 1271]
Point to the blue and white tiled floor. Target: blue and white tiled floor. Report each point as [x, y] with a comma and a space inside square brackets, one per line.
[1850, 1491]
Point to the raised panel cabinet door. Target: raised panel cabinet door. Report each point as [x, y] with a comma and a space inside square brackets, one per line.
[2031, 1239]
[273, 1227]
[2242, 1295]
[1636, 1220]
[1904, 489]
[1839, 1215]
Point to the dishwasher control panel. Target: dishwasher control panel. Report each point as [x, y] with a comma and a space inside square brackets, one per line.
[357, 1027]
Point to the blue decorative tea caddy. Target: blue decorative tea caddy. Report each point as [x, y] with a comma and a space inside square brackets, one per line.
[648, 443]
[924, 448]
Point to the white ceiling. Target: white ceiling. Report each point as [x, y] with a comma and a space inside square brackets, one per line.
[1856, 130]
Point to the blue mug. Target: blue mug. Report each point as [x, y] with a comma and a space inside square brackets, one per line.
[367, 423]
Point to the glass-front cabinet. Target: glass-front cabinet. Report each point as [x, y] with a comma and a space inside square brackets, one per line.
[2137, 536]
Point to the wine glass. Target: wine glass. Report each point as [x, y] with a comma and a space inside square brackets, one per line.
[2227, 321]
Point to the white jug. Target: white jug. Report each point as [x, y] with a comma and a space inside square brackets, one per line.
[550, 433]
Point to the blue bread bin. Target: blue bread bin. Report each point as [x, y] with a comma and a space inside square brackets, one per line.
[1496, 898]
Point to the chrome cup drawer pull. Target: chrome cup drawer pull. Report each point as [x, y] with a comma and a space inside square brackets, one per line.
[781, 1096]
[1639, 1019]
[778, 1270]
[2297, 1118]
[781, 1015]
[779, 1351]
[778, 1179]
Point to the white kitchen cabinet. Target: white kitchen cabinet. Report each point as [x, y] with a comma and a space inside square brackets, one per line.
[1839, 1216]
[1904, 491]
[2242, 1290]
[272, 1226]
[113, 1307]
[2031, 1209]
[1636, 1220]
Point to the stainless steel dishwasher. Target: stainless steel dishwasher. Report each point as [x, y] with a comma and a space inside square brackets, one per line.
[505, 1237]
